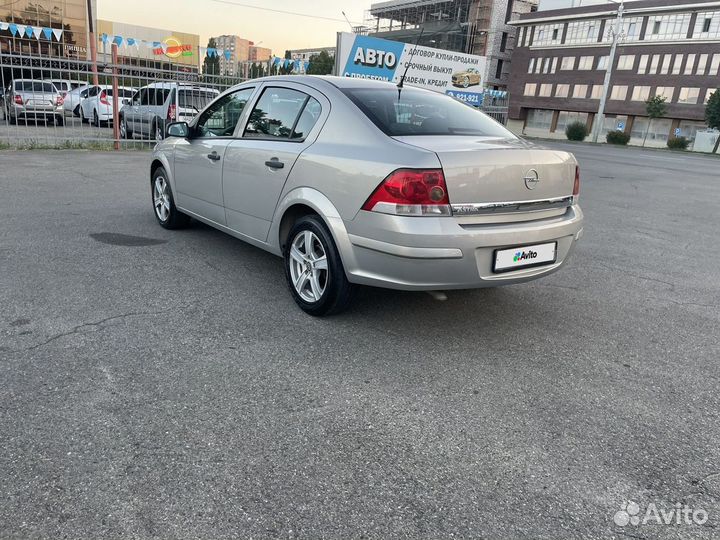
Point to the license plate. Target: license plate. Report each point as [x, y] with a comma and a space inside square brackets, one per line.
[510, 259]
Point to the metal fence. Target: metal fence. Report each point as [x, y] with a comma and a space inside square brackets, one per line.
[124, 105]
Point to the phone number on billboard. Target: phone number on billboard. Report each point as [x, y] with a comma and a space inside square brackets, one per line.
[471, 98]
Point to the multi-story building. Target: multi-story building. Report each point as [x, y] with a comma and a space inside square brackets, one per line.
[471, 26]
[71, 16]
[669, 48]
[239, 53]
[305, 54]
[259, 54]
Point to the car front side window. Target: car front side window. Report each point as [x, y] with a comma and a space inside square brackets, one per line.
[276, 113]
[221, 118]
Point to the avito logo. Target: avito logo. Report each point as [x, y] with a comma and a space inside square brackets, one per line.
[525, 255]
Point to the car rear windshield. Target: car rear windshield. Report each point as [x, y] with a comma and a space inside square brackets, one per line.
[35, 86]
[195, 99]
[418, 112]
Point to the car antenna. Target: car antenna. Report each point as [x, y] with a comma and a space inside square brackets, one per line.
[401, 82]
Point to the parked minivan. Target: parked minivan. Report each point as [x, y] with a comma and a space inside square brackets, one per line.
[154, 106]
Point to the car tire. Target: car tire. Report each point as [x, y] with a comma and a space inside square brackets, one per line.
[164, 208]
[157, 132]
[125, 132]
[76, 111]
[83, 120]
[96, 118]
[319, 288]
[59, 120]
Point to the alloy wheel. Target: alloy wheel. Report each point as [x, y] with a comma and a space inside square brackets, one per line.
[308, 266]
[123, 130]
[161, 198]
[158, 133]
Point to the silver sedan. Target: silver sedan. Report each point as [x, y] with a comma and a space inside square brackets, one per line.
[357, 182]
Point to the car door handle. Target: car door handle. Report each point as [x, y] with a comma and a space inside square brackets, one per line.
[214, 156]
[275, 163]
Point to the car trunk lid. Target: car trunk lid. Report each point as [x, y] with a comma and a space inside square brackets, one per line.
[489, 177]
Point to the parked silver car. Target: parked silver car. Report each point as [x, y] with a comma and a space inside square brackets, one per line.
[29, 99]
[358, 182]
[154, 106]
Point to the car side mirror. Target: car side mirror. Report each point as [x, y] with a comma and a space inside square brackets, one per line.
[178, 129]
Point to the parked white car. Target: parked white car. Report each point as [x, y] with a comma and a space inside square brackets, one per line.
[98, 107]
[71, 105]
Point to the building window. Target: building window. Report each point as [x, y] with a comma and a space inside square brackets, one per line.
[568, 117]
[630, 29]
[582, 32]
[545, 90]
[580, 91]
[597, 90]
[642, 65]
[688, 95]
[707, 25]
[498, 70]
[503, 42]
[619, 92]
[640, 93]
[665, 27]
[539, 119]
[547, 34]
[666, 92]
[602, 62]
[690, 65]
[657, 129]
[562, 90]
[654, 64]
[568, 63]
[585, 62]
[626, 61]
[546, 65]
[665, 68]
[677, 64]
[524, 36]
[530, 89]
[702, 64]
[710, 92]
[714, 65]
[538, 65]
[531, 65]
[553, 69]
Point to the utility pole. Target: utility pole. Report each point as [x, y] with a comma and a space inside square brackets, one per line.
[93, 41]
[600, 116]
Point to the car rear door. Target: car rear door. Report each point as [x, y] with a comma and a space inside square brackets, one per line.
[285, 119]
[199, 160]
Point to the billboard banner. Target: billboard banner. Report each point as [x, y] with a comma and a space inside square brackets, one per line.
[449, 72]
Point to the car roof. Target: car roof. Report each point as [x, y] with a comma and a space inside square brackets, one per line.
[323, 81]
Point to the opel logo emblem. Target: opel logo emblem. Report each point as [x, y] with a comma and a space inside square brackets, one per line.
[532, 179]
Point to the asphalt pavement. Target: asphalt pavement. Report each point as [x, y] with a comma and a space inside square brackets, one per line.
[163, 384]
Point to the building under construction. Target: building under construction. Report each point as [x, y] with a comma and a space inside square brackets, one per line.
[470, 26]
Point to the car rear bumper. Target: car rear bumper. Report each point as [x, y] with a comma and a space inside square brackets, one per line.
[31, 112]
[438, 253]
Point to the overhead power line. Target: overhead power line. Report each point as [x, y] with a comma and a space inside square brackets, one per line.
[295, 13]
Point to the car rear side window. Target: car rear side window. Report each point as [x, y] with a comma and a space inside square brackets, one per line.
[276, 114]
[419, 112]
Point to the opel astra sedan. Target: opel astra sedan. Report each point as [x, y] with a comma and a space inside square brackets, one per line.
[357, 182]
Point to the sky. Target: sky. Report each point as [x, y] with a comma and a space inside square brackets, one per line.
[278, 31]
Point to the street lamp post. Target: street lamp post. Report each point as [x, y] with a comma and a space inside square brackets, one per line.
[600, 117]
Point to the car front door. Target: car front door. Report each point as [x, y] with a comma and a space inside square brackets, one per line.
[284, 121]
[199, 160]
[130, 112]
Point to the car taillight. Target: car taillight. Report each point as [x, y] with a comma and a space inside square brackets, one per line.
[576, 186]
[104, 98]
[18, 100]
[411, 192]
[172, 112]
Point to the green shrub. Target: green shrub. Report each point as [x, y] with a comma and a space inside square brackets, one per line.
[576, 131]
[618, 137]
[678, 143]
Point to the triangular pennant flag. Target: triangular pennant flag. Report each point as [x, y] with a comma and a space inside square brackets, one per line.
[118, 40]
[29, 31]
[47, 32]
[13, 28]
[37, 32]
[131, 41]
[227, 55]
[21, 29]
[57, 33]
[4, 26]
[306, 66]
[164, 47]
[156, 44]
[211, 51]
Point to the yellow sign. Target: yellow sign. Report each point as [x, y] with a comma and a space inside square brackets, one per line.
[175, 48]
